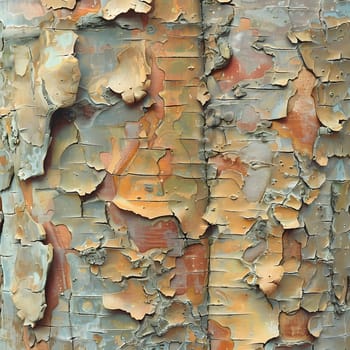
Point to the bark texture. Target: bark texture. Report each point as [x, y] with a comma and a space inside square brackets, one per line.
[175, 174]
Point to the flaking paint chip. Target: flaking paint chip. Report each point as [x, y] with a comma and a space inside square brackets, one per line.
[115, 8]
[132, 300]
[57, 4]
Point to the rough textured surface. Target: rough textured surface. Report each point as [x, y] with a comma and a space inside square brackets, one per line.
[174, 174]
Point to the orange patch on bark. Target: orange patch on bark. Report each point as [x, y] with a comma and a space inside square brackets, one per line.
[165, 166]
[301, 124]
[294, 327]
[42, 345]
[146, 233]
[163, 234]
[26, 187]
[3, 161]
[116, 161]
[58, 279]
[191, 273]
[291, 248]
[223, 162]
[132, 300]
[220, 336]
[82, 8]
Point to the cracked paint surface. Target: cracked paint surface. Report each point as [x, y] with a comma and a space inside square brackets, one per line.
[174, 174]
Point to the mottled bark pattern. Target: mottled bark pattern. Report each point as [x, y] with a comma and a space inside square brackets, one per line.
[175, 174]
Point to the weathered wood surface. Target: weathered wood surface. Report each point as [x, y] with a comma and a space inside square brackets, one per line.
[175, 174]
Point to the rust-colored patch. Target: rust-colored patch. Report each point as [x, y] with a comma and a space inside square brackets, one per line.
[226, 162]
[301, 124]
[148, 234]
[294, 327]
[220, 336]
[60, 281]
[81, 9]
[235, 71]
[116, 161]
[291, 252]
[191, 273]
[165, 166]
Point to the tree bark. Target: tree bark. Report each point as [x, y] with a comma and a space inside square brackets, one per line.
[174, 174]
